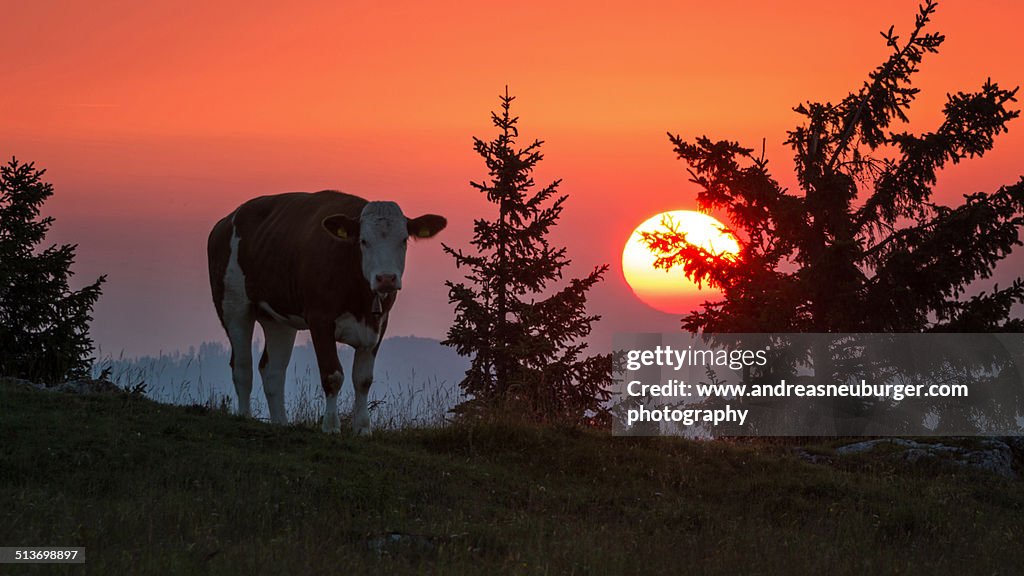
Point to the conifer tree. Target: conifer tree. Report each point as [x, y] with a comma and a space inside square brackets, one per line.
[527, 340]
[862, 247]
[44, 332]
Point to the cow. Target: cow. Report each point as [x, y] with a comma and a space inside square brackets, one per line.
[327, 262]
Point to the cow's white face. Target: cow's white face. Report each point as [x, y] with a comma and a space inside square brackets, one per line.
[382, 232]
[383, 236]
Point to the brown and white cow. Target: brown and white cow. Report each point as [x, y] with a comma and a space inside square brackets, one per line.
[326, 262]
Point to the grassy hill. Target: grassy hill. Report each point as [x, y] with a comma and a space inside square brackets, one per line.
[158, 489]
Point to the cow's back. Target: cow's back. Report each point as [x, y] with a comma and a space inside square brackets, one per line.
[281, 244]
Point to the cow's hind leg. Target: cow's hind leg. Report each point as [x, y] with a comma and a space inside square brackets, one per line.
[362, 379]
[277, 352]
[239, 321]
[239, 329]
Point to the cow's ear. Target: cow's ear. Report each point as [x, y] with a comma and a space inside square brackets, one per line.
[426, 226]
[342, 227]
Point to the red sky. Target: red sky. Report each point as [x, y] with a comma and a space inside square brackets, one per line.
[154, 119]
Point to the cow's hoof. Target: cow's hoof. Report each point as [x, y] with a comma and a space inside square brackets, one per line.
[361, 423]
[331, 425]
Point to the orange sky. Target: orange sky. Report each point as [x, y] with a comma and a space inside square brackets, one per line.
[154, 119]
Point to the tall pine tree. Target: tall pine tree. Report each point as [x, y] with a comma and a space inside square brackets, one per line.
[863, 247]
[527, 342]
[44, 325]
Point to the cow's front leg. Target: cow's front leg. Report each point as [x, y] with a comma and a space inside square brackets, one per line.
[331, 376]
[362, 379]
[277, 352]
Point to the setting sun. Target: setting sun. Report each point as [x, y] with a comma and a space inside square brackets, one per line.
[670, 291]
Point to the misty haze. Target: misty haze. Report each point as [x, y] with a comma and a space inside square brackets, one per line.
[415, 380]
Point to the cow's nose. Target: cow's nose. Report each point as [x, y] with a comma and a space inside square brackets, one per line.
[386, 282]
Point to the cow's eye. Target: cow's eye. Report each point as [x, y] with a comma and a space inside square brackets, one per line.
[364, 243]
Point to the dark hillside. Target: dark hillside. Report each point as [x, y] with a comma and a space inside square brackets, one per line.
[149, 488]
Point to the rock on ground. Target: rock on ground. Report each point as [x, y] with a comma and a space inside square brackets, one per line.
[996, 455]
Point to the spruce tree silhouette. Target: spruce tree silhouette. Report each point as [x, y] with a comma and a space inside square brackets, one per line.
[863, 247]
[44, 325]
[526, 342]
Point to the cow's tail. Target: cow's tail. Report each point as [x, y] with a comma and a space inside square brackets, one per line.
[218, 251]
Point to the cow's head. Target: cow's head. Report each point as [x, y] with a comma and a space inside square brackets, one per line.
[382, 232]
